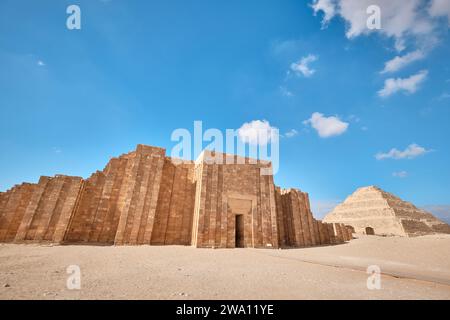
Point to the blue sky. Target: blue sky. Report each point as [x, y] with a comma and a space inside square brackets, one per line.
[137, 70]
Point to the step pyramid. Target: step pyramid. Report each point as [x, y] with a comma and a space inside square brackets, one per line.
[370, 210]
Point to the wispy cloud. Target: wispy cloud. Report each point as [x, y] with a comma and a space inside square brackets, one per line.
[291, 133]
[401, 19]
[411, 152]
[354, 118]
[409, 85]
[400, 174]
[286, 92]
[302, 67]
[327, 7]
[416, 24]
[326, 126]
[40, 63]
[286, 47]
[399, 62]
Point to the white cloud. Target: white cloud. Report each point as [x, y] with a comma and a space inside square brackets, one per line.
[411, 152]
[400, 174]
[258, 132]
[399, 45]
[327, 126]
[40, 63]
[328, 8]
[286, 92]
[398, 17]
[291, 133]
[440, 8]
[401, 20]
[285, 47]
[302, 67]
[409, 85]
[400, 62]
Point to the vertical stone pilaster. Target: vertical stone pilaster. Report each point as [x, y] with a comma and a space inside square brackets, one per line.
[31, 209]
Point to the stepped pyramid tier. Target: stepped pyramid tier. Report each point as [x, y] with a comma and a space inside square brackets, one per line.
[145, 197]
[370, 210]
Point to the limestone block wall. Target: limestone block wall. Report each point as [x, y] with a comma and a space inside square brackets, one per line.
[175, 207]
[224, 191]
[338, 233]
[118, 205]
[348, 230]
[296, 224]
[13, 204]
[38, 212]
[144, 197]
[298, 227]
[139, 196]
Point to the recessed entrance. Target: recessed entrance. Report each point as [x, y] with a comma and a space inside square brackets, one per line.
[370, 231]
[239, 231]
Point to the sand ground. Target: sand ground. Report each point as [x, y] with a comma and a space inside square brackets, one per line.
[414, 268]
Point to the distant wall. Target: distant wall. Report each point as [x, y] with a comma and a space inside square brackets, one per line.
[297, 226]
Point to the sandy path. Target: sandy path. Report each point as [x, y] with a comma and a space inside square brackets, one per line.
[175, 272]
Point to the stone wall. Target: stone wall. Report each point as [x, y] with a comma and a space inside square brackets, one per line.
[118, 204]
[144, 197]
[224, 191]
[175, 207]
[39, 212]
[297, 226]
[13, 204]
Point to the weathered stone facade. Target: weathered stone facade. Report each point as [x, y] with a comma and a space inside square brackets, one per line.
[144, 197]
[372, 211]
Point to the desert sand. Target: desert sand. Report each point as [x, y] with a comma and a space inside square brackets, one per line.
[412, 268]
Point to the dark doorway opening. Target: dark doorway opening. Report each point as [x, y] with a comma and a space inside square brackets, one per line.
[370, 231]
[239, 231]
